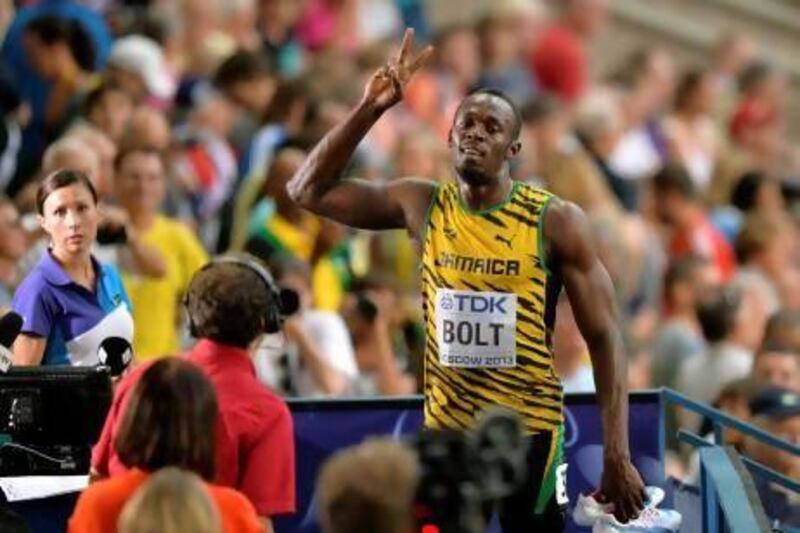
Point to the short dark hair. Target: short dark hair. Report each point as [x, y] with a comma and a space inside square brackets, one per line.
[228, 303]
[783, 330]
[170, 420]
[717, 312]
[242, 66]
[58, 180]
[745, 192]
[754, 75]
[690, 82]
[673, 177]
[52, 29]
[497, 93]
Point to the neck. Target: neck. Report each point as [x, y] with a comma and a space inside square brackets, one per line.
[142, 220]
[76, 265]
[484, 196]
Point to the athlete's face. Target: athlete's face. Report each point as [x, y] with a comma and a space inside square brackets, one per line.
[482, 138]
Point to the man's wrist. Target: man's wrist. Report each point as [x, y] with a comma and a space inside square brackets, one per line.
[370, 107]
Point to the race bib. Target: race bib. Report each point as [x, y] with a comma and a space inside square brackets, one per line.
[476, 329]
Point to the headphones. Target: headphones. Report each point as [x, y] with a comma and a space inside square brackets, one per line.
[273, 316]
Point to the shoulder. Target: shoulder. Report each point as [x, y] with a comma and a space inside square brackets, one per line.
[34, 283]
[563, 219]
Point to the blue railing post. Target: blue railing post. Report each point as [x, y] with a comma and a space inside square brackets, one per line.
[710, 504]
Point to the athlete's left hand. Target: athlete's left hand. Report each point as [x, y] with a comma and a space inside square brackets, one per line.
[622, 486]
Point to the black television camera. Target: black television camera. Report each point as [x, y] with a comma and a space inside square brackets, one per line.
[464, 474]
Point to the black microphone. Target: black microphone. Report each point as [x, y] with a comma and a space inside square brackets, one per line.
[116, 353]
[10, 326]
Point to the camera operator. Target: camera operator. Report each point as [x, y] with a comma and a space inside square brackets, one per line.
[70, 302]
[231, 303]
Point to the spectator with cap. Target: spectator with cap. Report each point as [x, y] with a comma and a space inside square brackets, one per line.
[136, 64]
[777, 411]
[170, 421]
[255, 448]
[70, 302]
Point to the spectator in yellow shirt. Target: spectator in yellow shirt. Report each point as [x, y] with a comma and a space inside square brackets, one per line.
[140, 190]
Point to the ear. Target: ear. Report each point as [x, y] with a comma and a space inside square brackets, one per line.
[513, 149]
[42, 223]
[450, 138]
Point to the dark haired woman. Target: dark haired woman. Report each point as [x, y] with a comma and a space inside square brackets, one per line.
[70, 302]
[170, 420]
[60, 51]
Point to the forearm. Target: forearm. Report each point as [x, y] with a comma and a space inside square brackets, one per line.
[610, 376]
[326, 163]
[147, 259]
[330, 380]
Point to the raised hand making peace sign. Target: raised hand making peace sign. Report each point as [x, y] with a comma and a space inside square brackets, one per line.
[385, 87]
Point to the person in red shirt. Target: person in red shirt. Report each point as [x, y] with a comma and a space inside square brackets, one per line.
[678, 206]
[558, 59]
[230, 305]
[170, 422]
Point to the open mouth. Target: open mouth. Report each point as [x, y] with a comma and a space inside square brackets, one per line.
[471, 151]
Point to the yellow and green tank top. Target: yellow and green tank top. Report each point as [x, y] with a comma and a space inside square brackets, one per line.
[489, 303]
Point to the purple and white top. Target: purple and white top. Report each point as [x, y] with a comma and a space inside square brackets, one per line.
[74, 319]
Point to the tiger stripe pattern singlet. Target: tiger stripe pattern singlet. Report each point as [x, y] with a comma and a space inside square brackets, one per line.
[489, 305]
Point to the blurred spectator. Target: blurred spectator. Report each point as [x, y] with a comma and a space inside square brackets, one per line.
[690, 130]
[678, 206]
[679, 336]
[757, 192]
[777, 367]
[171, 501]
[140, 190]
[570, 353]
[279, 225]
[765, 249]
[136, 64]
[255, 451]
[329, 24]
[61, 53]
[559, 57]
[16, 115]
[106, 151]
[783, 330]
[777, 411]
[369, 488]
[317, 352]
[13, 244]
[247, 79]
[146, 128]
[277, 20]
[169, 421]
[370, 328]
[722, 315]
[61, 324]
[108, 108]
[733, 53]
[502, 53]
[646, 81]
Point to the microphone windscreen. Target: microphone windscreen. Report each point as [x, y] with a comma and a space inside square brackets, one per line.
[10, 326]
[116, 353]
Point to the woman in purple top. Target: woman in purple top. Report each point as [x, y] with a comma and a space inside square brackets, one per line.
[70, 302]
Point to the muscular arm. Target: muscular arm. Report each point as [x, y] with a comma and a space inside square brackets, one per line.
[320, 187]
[591, 296]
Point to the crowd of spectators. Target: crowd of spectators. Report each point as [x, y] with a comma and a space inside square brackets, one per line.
[189, 117]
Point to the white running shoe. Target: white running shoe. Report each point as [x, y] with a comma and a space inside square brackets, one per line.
[590, 512]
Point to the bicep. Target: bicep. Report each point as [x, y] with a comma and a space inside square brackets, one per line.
[29, 350]
[374, 205]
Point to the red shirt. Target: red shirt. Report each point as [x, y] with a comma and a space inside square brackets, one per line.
[100, 505]
[559, 62]
[255, 442]
[705, 240]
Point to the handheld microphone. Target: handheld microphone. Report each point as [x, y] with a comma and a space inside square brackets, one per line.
[10, 327]
[116, 353]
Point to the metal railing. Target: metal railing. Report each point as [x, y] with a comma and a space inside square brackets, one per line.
[718, 474]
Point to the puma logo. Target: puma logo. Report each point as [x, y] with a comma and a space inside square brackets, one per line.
[450, 233]
[507, 242]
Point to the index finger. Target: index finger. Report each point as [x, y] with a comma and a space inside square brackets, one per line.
[405, 46]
